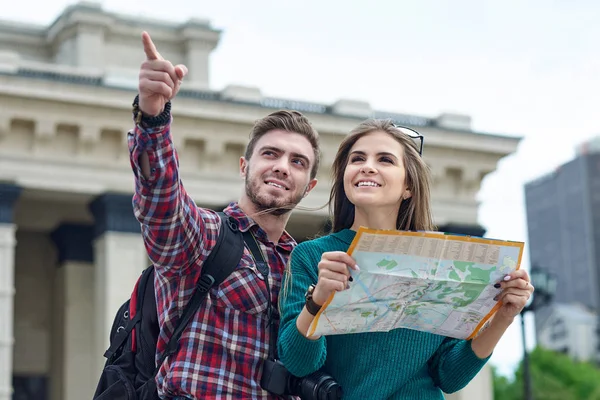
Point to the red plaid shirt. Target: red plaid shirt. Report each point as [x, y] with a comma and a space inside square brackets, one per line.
[224, 345]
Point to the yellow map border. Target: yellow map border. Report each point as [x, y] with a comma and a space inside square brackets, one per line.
[436, 235]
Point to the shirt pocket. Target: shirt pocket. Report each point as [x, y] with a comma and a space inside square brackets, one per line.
[244, 289]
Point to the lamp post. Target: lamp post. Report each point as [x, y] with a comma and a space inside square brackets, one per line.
[545, 287]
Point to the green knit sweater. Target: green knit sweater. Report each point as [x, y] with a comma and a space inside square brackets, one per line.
[400, 364]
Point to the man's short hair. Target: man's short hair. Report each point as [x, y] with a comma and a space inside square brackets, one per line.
[290, 121]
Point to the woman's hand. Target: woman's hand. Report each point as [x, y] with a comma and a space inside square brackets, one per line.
[334, 275]
[516, 291]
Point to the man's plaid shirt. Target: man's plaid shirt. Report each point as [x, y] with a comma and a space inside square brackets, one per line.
[222, 349]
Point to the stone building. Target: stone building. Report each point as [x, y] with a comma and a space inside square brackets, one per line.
[70, 248]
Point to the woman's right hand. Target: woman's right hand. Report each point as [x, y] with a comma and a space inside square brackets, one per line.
[334, 275]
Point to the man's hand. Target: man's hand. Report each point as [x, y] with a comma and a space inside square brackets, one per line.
[159, 79]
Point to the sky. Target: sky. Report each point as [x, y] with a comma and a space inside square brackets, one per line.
[528, 69]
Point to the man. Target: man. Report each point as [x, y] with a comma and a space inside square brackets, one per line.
[222, 349]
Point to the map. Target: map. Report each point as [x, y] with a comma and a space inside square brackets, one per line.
[427, 281]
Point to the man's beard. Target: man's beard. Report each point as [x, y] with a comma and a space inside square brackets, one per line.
[273, 206]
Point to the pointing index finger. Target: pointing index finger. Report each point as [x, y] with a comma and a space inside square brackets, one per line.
[150, 48]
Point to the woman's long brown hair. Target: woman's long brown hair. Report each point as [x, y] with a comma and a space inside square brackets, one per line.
[415, 212]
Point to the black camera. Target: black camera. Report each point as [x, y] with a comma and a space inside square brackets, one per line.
[278, 380]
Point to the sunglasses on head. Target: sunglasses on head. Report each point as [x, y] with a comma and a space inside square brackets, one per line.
[414, 135]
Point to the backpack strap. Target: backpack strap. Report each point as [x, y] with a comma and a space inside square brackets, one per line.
[133, 313]
[221, 262]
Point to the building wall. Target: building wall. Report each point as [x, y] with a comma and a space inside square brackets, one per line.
[559, 234]
[563, 217]
[593, 219]
[570, 329]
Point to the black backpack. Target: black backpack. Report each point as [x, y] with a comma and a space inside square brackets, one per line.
[130, 369]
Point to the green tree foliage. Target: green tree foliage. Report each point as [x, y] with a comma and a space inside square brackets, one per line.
[554, 376]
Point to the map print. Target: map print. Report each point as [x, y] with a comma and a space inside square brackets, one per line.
[426, 281]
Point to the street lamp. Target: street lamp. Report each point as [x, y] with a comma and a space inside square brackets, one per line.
[545, 287]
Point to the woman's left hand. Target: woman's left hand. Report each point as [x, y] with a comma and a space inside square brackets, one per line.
[516, 291]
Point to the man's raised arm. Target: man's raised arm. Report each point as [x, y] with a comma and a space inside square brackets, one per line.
[171, 225]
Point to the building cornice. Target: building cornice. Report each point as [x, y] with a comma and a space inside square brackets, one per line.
[63, 77]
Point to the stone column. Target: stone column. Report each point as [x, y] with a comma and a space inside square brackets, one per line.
[73, 357]
[8, 195]
[119, 258]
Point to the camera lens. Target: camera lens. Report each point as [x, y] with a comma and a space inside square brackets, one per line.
[329, 390]
[320, 386]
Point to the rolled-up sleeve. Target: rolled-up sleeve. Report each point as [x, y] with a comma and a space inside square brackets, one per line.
[172, 228]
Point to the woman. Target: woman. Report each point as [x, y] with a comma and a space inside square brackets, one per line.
[381, 182]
